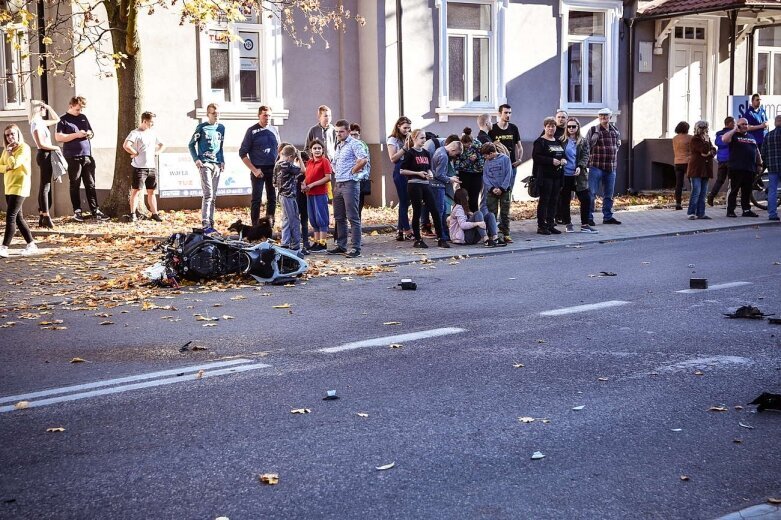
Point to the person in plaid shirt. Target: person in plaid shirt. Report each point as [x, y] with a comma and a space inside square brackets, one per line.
[771, 157]
[604, 140]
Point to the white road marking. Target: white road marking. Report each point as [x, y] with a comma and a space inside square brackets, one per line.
[121, 380]
[136, 386]
[703, 362]
[584, 308]
[387, 340]
[714, 287]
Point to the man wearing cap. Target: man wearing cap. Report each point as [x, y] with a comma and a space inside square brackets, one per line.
[604, 140]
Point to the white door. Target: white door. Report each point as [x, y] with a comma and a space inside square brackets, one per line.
[687, 85]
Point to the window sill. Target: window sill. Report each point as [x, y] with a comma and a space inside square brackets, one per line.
[248, 112]
[587, 111]
[13, 113]
[446, 112]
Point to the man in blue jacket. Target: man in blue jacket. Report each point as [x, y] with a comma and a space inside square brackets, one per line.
[206, 150]
[258, 151]
[722, 157]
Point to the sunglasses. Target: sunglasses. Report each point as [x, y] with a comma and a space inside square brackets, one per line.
[572, 126]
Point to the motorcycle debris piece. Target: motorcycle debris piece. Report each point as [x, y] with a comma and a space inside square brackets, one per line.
[184, 348]
[698, 283]
[330, 395]
[408, 285]
[767, 401]
[748, 312]
[774, 321]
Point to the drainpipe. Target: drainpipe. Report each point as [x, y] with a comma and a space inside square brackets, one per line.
[399, 58]
[750, 62]
[42, 51]
[733, 18]
[630, 169]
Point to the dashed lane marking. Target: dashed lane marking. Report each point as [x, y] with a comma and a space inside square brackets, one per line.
[584, 308]
[714, 287]
[399, 338]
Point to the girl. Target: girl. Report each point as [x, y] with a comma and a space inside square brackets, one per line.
[549, 164]
[699, 170]
[396, 151]
[468, 227]
[286, 174]
[315, 186]
[680, 159]
[416, 167]
[42, 138]
[469, 168]
[576, 151]
[15, 164]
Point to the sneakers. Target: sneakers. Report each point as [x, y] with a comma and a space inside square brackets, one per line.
[304, 251]
[489, 243]
[749, 213]
[773, 218]
[731, 214]
[611, 220]
[337, 251]
[353, 253]
[559, 220]
[409, 235]
[100, 215]
[428, 233]
[3, 251]
[443, 244]
[317, 248]
[710, 199]
[543, 231]
[704, 217]
[508, 239]
[78, 216]
[692, 217]
[31, 249]
[570, 228]
[420, 244]
[156, 217]
[592, 223]
[588, 229]
[208, 230]
[400, 236]
[46, 222]
[554, 231]
[132, 217]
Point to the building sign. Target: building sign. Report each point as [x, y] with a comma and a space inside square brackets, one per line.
[178, 176]
[737, 106]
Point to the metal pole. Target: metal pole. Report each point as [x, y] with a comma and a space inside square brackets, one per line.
[733, 18]
[42, 53]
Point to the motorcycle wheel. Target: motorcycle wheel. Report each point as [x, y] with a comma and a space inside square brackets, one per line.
[759, 191]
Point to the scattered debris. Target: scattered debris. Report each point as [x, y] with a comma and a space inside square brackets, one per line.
[78, 360]
[537, 455]
[392, 323]
[717, 409]
[526, 419]
[518, 365]
[698, 283]
[200, 374]
[602, 379]
[301, 410]
[677, 430]
[767, 401]
[55, 430]
[396, 345]
[386, 466]
[21, 405]
[747, 426]
[282, 306]
[772, 321]
[362, 414]
[197, 348]
[184, 348]
[684, 477]
[330, 395]
[748, 312]
[578, 408]
[269, 478]
[607, 273]
[408, 285]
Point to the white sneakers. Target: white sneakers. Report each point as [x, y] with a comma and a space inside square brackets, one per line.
[31, 249]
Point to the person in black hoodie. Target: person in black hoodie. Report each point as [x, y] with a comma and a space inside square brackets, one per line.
[549, 162]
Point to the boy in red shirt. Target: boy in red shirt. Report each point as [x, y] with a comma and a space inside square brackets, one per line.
[315, 185]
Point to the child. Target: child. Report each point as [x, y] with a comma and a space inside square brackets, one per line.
[470, 228]
[497, 181]
[315, 185]
[285, 179]
[143, 146]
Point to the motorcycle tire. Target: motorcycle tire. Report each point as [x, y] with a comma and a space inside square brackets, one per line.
[759, 192]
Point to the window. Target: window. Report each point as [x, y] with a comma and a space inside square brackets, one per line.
[14, 63]
[589, 40]
[768, 61]
[470, 71]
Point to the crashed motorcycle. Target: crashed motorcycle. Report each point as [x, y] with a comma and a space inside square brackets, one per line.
[196, 256]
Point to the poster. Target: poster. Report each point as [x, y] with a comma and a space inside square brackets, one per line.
[178, 176]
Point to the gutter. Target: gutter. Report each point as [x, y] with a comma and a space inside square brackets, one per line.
[630, 167]
[399, 58]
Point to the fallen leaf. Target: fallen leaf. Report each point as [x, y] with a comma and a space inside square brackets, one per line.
[684, 477]
[107, 322]
[55, 430]
[392, 323]
[239, 297]
[21, 405]
[301, 410]
[361, 414]
[717, 409]
[677, 430]
[602, 379]
[209, 325]
[78, 360]
[269, 478]
[526, 419]
[537, 455]
[738, 407]
[386, 466]
[747, 426]
[396, 345]
[200, 374]
[579, 408]
[283, 306]
[196, 348]
[773, 500]
[518, 365]
[54, 327]
[227, 317]
[200, 317]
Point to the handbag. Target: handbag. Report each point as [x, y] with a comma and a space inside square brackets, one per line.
[530, 183]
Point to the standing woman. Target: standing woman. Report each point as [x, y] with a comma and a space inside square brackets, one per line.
[396, 151]
[700, 170]
[42, 137]
[416, 167]
[576, 152]
[15, 167]
[469, 168]
[681, 159]
[549, 164]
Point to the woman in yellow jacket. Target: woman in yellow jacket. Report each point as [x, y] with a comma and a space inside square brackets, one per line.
[15, 167]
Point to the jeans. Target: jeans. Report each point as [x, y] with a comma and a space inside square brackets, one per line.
[472, 182]
[741, 180]
[680, 175]
[721, 178]
[44, 162]
[14, 217]
[564, 212]
[476, 234]
[400, 181]
[210, 181]
[607, 180]
[257, 194]
[419, 193]
[291, 226]
[493, 204]
[439, 209]
[346, 197]
[772, 194]
[550, 187]
[697, 199]
[82, 169]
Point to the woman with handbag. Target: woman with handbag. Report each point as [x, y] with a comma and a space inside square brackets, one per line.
[42, 138]
[549, 162]
[699, 170]
[15, 167]
[576, 152]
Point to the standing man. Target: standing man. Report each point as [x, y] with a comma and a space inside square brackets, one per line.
[722, 157]
[445, 179]
[484, 124]
[742, 167]
[258, 151]
[75, 132]
[324, 131]
[507, 133]
[350, 158]
[604, 140]
[143, 146]
[757, 120]
[561, 123]
[206, 150]
[771, 157]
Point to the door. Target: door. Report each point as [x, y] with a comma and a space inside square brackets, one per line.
[687, 85]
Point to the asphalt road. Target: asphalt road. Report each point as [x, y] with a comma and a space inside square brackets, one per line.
[444, 409]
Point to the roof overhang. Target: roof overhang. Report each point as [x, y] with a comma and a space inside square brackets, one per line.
[750, 9]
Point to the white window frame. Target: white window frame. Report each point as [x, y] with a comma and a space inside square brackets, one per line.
[771, 51]
[21, 70]
[496, 86]
[270, 53]
[613, 10]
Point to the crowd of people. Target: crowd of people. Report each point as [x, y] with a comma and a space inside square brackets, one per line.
[459, 187]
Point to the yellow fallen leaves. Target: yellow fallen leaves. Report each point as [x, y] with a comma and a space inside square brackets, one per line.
[78, 360]
[270, 479]
[57, 429]
[21, 405]
[200, 374]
